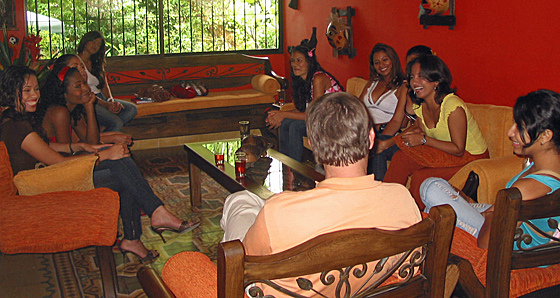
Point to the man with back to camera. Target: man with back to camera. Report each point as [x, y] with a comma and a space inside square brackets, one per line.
[341, 133]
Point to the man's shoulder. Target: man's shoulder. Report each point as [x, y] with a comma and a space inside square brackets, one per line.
[384, 190]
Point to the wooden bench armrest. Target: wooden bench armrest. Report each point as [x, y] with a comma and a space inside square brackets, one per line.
[152, 284]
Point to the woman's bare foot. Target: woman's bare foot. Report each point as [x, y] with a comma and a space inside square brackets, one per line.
[163, 218]
[138, 248]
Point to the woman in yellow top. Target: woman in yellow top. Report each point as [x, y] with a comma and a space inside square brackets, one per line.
[445, 135]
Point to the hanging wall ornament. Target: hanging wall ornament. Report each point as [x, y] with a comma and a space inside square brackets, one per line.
[437, 13]
[435, 7]
[339, 31]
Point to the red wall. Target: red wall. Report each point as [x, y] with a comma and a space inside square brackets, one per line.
[498, 51]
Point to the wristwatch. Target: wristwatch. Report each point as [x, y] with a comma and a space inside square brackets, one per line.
[424, 140]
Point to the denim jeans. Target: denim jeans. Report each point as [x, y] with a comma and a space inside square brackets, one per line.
[291, 138]
[437, 191]
[124, 177]
[112, 121]
[377, 163]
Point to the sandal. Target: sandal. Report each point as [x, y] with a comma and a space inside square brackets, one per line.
[185, 227]
[150, 256]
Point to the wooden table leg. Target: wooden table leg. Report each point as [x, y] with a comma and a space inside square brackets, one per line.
[195, 185]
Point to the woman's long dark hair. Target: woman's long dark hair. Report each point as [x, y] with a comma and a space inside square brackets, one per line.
[52, 93]
[12, 80]
[98, 59]
[536, 112]
[301, 89]
[433, 69]
[397, 75]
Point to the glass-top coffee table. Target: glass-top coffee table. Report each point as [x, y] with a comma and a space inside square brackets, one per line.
[271, 174]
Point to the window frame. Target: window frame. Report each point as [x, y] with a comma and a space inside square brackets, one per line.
[162, 33]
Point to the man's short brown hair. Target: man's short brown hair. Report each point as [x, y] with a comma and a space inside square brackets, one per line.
[338, 127]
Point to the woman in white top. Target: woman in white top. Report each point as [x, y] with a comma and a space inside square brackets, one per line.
[111, 113]
[384, 94]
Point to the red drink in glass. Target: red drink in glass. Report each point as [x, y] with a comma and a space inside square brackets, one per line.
[219, 159]
[240, 169]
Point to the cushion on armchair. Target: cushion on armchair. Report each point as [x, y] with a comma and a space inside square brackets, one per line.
[7, 186]
[58, 221]
[191, 274]
[74, 174]
[523, 281]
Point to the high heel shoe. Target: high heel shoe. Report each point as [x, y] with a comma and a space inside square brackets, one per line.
[185, 227]
[150, 257]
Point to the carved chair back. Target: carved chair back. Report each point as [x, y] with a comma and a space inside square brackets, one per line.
[341, 255]
[510, 209]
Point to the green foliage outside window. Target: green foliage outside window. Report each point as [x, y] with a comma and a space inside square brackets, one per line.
[132, 27]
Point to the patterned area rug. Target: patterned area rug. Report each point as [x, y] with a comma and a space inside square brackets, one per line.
[75, 274]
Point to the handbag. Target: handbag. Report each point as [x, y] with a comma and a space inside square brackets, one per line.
[155, 92]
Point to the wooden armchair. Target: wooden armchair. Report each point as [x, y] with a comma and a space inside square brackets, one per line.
[508, 272]
[425, 247]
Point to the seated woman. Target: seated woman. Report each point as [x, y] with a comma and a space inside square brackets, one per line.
[536, 135]
[445, 135]
[106, 137]
[112, 113]
[309, 82]
[24, 138]
[384, 93]
[387, 102]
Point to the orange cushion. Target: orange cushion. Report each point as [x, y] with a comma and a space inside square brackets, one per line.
[523, 281]
[7, 187]
[191, 274]
[58, 221]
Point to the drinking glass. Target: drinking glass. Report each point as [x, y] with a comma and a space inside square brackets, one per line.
[240, 162]
[244, 129]
[219, 149]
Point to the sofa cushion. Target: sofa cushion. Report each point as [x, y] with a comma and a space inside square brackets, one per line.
[39, 224]
[55, 177]
[212, 100]
[265, 84]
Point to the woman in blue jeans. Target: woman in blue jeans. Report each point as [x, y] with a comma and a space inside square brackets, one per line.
[309, 82]
[535, 135]
[70, 103]
[111, 113]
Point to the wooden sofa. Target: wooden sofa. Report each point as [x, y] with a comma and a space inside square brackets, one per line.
[233, 96]
[494, 122]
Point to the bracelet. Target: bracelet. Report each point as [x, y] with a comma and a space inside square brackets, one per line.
[424, 140]
[71, 151]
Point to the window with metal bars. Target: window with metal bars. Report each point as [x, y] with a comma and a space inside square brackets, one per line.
[146, 27]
